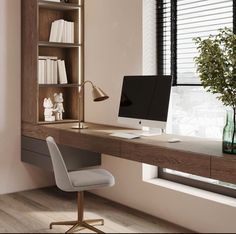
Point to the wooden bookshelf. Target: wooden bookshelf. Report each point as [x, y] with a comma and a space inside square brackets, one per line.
[37, 18]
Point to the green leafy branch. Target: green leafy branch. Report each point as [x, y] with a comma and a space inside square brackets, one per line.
[216, 65]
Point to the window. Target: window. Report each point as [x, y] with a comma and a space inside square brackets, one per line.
[178, 22]
[207, 184]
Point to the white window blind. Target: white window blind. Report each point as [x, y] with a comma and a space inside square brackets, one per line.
[167, 37]
[195, 18]
[149, 38]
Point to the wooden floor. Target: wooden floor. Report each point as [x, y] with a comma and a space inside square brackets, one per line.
[32, 211]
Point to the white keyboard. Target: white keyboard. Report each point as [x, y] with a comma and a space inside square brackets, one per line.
[125, 135]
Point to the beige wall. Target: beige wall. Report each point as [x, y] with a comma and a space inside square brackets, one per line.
[14, 175]
[114, 49]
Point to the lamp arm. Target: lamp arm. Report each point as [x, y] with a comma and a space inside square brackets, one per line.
[81, 86]
[85, 82]
[98, 95]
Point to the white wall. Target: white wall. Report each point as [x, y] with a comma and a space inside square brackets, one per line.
[14, 175]
[114, 49]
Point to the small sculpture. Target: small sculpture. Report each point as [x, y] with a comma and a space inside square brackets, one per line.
[58, 106]
[48, 110]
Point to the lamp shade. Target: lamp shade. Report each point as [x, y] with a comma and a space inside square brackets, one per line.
[99, 95]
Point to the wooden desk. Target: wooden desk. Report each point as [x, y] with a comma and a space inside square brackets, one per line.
[192, 155]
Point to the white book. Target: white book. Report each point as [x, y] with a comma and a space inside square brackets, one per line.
[69, 33]
[65, 30]
[72, 32]
[55, 73]
[54, 31]
[62, 72]
[43, 72]
[65, 80]
[48, 71]
[39, 71]
[60, 30]
[52, 72]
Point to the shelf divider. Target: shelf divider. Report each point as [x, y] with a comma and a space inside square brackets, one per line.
[59, 85]
[58, 5]
[58, 45]
[59, 122]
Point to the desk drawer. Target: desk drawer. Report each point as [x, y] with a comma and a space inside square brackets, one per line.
[167, 158]
[36, 159]
[34, 145]
[36, 152]
[224, 169]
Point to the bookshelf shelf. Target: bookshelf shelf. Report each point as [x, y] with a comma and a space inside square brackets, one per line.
[37, 19]
[58, 122]
[58, 5]
[59, 85]
[58, 45]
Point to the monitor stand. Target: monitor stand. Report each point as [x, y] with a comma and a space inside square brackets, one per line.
[148, 132]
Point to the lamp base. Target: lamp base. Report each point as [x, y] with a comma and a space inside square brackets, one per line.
[80, 126]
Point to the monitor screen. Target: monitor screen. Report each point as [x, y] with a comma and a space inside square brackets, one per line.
[145, 98]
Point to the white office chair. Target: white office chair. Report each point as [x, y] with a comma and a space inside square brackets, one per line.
[78, 181]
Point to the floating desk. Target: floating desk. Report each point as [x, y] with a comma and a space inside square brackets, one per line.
[192, 155]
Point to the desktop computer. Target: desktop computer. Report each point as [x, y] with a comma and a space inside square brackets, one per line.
[144, 103]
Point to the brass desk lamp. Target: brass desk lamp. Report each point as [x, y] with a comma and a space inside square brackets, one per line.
[98, 96]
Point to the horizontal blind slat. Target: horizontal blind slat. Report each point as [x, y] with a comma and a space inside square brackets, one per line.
[209, 6]
[181, 3]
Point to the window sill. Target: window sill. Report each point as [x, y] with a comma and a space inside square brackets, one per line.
[193, 191]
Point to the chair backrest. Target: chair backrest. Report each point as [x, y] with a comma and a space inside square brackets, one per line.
[60, 171]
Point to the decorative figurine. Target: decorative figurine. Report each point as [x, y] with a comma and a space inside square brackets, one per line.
[58, 106]
[48, 110]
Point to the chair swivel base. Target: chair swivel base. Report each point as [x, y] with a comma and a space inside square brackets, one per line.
[78, 226]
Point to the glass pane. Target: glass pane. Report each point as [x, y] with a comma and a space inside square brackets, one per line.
[199, 178]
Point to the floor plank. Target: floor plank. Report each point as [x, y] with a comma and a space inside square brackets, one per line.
[32, 211]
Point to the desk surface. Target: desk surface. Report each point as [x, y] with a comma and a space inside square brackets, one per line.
[192, 155]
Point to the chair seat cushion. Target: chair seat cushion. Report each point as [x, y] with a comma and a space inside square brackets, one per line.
[91, 179]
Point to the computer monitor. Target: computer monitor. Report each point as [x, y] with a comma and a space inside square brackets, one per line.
[145, 101]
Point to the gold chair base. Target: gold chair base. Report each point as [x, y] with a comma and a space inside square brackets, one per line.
[81, 224]
[78, 226]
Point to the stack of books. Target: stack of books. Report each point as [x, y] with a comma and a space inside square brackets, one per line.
[51, 71]
[62, 32]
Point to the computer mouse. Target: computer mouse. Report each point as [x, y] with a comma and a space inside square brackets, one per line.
[174, 140]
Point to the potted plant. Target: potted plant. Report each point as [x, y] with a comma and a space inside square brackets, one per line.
[216, 65]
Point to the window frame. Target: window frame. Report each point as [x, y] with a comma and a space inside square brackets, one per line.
[215, 188]
[160, 71]
[174, 29]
